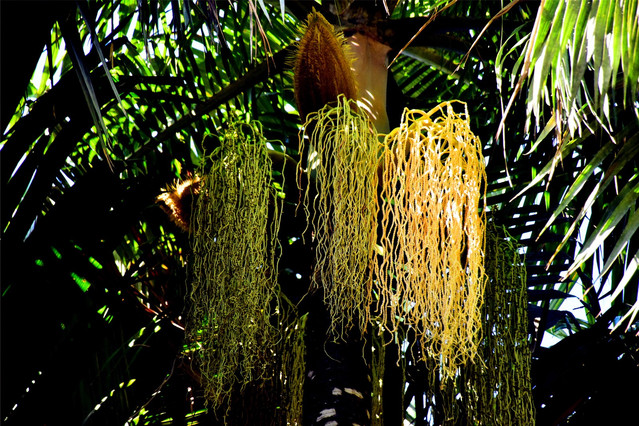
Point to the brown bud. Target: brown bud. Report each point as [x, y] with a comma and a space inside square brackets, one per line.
[321, 68]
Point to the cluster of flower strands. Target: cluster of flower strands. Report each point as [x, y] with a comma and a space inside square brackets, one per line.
[431, 275]
[343, 158]
[496, 390]
[293, 369]
[234, 272]
[501, 386]
[277, 399]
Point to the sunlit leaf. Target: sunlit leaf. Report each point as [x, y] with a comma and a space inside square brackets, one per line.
[626, 200]
[622, 242]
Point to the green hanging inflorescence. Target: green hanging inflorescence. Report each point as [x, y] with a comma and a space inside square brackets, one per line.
[502, 385]
[342, 163]
[234, 290]
[293, 370]
[495, 390]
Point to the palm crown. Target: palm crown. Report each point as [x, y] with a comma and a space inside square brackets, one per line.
[128, 97]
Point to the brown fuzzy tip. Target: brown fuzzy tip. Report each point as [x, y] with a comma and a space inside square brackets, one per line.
[178, 201]
[321, 69]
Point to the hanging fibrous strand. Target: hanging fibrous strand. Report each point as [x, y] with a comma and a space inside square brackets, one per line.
[431, 276]
[293, 368]
[496, 391]
[321, 68]
[342, 164]
[234, 291]
[502, 392]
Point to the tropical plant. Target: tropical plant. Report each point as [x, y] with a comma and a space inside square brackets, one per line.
[105, 103]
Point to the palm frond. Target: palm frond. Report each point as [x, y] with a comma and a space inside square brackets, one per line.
[577, 54]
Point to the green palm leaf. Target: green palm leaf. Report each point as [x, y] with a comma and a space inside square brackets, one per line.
[575, 37]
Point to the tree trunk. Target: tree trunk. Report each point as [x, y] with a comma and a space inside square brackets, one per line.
[337, 388]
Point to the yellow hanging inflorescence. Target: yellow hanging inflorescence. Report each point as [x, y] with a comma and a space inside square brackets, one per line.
[234, 273]
[431, 273]
[343, 160]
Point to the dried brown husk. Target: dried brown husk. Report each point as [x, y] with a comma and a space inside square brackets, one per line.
[177, 201]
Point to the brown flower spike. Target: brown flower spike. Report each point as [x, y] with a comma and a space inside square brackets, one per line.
[321, 68]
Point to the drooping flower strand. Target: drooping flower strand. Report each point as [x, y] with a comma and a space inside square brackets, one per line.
[342, 162]
[431, 274]
[502, 386]
[234, 289]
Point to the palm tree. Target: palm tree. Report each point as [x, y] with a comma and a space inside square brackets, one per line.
[106, 103]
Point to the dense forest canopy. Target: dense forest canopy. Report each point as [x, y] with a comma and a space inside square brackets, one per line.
[108, 104]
